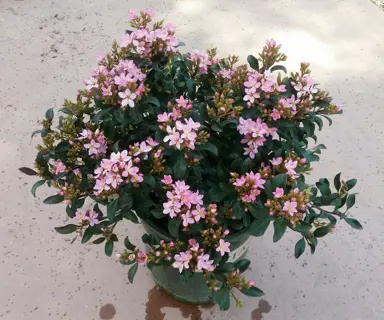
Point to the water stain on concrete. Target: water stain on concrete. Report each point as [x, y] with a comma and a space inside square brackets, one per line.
[107, 311]
[158, 299]
[264, 307]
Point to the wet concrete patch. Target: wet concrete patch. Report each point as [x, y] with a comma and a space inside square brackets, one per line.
[107, 311]
[158, 299]
[264, 307]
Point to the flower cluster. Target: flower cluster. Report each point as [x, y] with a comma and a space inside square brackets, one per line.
[184, 203]
[271, 53]
[146, 43]
[290, 206]
[248, 186]
[180, 109]
[202, 60]
[289, 166]
[259, 84]
[194, 258]
[94, 142]
[183, 135]
[87, 217]
[116, 170]
[255, 134]
[58, 167]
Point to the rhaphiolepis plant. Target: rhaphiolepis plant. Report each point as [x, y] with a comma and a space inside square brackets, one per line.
[200, 146]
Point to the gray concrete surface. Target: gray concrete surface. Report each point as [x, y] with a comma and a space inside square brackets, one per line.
[48, 46]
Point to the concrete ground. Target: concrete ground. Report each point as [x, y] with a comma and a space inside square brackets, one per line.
[48, 46]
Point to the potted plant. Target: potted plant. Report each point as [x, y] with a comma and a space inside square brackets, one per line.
[200, 150]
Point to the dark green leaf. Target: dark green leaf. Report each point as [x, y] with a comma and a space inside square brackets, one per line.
[299, 248]
[130, 215]
[132, 272]
[119, 115]
[87, 235]
[351, 183]
[323, 186]
[99, 240]
[210, 147]
[112, 209]
[69, 228]
[185, 276]
[108, 248]
[279, 68]
[35, 133]
[54, 199]
[242, 265]
[49, 114]
[312, 243]
[180, 168]
[252, 292]
[336, 181]
[191, 88]
[253, 62]
[258, 228]
[225, 268]
[351, 201]
[28, 171]
[66, 111]
[36, 185]
[279, 181]
[152, 100]
[174, 227]
[216, 128]
[158, 214]
[321, 232]
[238, 209]
[128, 244]
[280, 226]
[354, 223]
[246, 166]
[150, 180]
[221, 297]
[258, 213]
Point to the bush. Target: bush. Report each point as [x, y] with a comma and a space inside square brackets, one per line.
[197, 145]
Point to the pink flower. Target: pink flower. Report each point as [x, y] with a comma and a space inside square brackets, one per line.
[199, 213]
[132, 14]
[164, 117]
[339, 107]
[223, 247]
[182, 102]
[290, 207]
[204, 262]
[128, 98]
[173, 138]
[92, 147]
[167, 180]
[187, 219]
[113, 179]
[92, 218]
[275, 114]
[276, 161]
[59, 167]
[182, 260]
[141, 258]
[171, 208]
[80, 216]
[101, 185]
[290, 166]
[150, 13]
[278, 193]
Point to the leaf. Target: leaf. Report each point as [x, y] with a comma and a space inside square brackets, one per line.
[69, 228]
[216, 128]
[336, 181]
[128, 244]
[152, 100]
[258, 228]
[279, 68]
[130, 215]
[99, 240]
[132, 272]
[119, 115]
[351, 183]
[323, 186]
[180, 168]
[150, 180]
[279, 181]
[312, 243]
[354, 223]
[49, 114]
[54, 199]
[246, 166]
[108, 249]
[28, 171]
[238, 209]
[225, 268]
[35, 133]
[210, 147]
[158, 213]
[319, 122]
[66, 111]
[221, 297]
[111, 210]
[280, 226]
[174, 227]
[216, 194]
[321, 232]
[242, 265]
[87, 235]
[191, 88]
[299, 248]
[253, 62]
[252, 292]
[226, 187]
[351, 201]
[36, 185]
[258, 213]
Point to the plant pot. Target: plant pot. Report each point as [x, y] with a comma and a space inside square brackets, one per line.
[196, 290]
